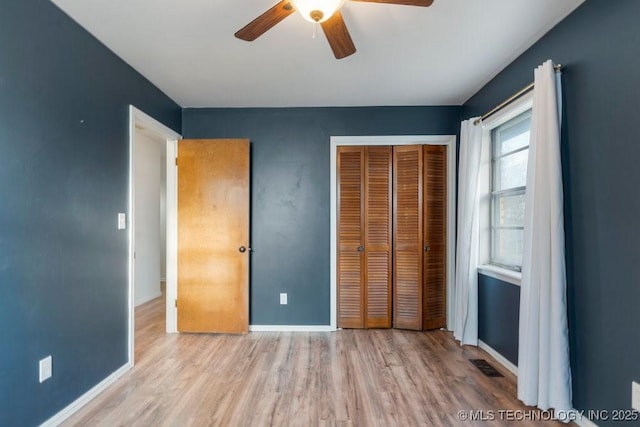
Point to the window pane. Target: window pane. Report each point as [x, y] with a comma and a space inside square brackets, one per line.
[507, 247]
[510, 148]
[519, 141]
[514, 134]
[511, 171]
[508, 210]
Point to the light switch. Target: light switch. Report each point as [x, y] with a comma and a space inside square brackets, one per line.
[635, 396]
[122, 221]
[45, 368]
[283, 299]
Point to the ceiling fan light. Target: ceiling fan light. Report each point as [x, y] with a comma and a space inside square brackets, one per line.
[317, 10]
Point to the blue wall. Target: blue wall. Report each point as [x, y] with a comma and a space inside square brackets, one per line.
[600, 46]
[63, 178]
[498, 315]
[290, 192]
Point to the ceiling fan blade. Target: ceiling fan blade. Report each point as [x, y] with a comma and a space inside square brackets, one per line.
[422, 3]
[338, 36]
[266, 21]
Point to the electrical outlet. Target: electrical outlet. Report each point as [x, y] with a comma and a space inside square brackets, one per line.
[45, 368]
[283, 299]
[635, 396]
[122, 221]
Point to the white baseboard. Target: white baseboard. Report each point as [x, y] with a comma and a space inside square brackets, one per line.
[72, 408]
[582, 422]
[291, 328]
[148, 298]
[500, 358]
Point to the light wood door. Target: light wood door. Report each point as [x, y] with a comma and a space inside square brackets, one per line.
[434, 297]
[213, 236]
[351, 278]
[407, 236]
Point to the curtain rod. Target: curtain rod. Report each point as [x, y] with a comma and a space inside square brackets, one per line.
[557, 67]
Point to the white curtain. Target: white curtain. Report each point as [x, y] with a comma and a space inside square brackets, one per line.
[465, 327]
[544, 373]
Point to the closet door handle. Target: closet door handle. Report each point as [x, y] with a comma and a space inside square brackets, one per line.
[360, 248]
[427, 248]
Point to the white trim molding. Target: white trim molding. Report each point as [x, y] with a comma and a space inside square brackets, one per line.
[171, 282]
[447, 140]
[519, 106]
[291, 328]
[578, 417]
[503, 274]
[77, 404]
[140, 120]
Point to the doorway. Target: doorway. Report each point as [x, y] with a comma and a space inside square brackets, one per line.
[150, 185]
[151, 217]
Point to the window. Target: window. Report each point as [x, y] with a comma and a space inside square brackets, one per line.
[509, 155]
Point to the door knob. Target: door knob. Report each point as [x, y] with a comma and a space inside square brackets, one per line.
[360, 248]
[427, 248]
[242, 249]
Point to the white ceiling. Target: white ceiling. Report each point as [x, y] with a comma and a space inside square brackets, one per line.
[440, 55]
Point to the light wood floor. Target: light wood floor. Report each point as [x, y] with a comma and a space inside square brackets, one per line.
[344, 378]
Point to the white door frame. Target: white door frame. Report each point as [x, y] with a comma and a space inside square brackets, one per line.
[142, 120]
[450, 142]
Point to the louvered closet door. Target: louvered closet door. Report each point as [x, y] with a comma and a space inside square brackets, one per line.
[377, 247]
[350, 237]
[435, 237]
[407, 236]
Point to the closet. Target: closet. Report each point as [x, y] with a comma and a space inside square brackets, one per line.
[392, 236]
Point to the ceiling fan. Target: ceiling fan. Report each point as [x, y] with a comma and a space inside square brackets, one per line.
[324, 12]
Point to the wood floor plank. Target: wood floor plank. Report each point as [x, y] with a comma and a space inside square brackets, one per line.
[345, 378]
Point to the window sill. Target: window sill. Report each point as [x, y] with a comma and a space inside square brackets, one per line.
[503, 274]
